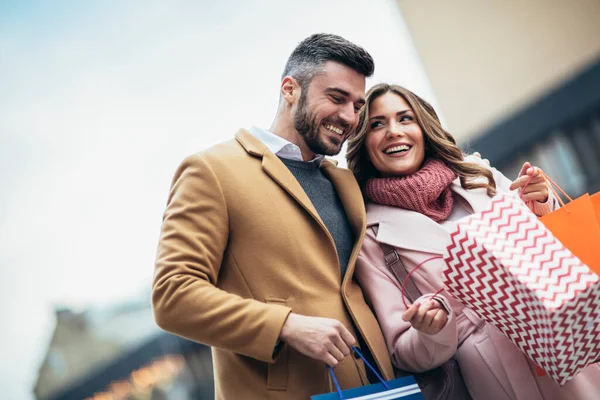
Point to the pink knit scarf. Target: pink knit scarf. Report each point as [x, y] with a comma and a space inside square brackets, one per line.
[427, 191]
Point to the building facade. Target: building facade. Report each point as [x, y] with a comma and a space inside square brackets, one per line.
[120, 354]
[517, 80]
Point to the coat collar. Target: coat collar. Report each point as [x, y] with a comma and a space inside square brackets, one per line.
[273, 166]
[343, 180]
[412, 230]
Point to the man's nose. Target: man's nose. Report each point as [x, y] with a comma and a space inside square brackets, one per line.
[348, 114]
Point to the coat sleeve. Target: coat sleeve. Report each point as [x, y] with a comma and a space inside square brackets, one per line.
[185, 299]
[410, 349]
[503, 185]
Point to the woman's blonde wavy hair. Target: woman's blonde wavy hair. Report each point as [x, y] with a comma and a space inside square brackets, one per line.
[438, 143]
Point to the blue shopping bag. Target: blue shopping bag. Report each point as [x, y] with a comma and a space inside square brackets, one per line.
[405, 388]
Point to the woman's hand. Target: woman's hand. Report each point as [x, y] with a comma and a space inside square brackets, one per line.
[537, 189]
[485, 160]
[428, 318]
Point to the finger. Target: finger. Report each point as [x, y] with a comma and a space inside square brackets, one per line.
[429, 317]
[522, 181]
[330, 360]
[524, 168]
[519, 182]
[541, 197]
[410, 312]
[346, 336]
[436, 304]
[536, 187]
[341, 346]
[334, 351]
[420, 315]
[440, 320]
[535, 178]
[478, 155]
[539, 188]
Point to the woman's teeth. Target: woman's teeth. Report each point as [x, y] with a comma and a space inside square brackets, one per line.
[397, 149]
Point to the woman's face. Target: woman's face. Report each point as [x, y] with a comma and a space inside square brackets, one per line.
[394, 141]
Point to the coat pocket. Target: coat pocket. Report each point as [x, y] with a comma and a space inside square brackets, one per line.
[277, 373]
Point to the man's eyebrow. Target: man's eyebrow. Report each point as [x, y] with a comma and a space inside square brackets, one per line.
[344, 93]
[382, 117]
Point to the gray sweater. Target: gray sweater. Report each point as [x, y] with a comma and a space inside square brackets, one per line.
[324, 197]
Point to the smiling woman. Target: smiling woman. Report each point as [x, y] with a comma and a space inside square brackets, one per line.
[394, 116]
[395, 142]
[418, 186]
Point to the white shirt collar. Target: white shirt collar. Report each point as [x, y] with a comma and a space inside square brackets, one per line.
[281, 147]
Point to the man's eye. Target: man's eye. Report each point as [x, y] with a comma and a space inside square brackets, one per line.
[337, 100]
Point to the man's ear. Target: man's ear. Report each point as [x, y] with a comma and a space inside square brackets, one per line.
[290, 89]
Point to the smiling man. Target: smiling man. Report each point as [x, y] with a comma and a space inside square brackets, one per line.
[261, 235]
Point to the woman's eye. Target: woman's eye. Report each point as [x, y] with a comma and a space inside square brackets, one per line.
[406, 118]
[375, 124]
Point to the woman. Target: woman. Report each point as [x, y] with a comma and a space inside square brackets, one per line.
[417, 184]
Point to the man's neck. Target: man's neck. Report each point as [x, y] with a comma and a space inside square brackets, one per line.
[289, 133]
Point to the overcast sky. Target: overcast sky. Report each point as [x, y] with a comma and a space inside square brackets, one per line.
[100, 101]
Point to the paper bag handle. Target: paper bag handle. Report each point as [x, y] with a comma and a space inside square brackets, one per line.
[551, 185]
[358, 353]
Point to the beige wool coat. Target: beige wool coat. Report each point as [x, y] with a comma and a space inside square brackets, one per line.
[241, 247]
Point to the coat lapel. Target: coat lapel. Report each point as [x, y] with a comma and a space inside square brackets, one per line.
[411, 230]
[476, 198]
[343, 180]
[407, 229]
[349, 193]
[352, 200]
[277, 170]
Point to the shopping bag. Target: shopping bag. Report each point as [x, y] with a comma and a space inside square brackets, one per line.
[508, 267]
[577, 225]
[596, 205]
[405, 388]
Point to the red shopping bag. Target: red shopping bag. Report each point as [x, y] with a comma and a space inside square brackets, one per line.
[508, 267]
[577, 225]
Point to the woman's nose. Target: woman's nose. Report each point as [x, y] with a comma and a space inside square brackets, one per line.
[394, 129]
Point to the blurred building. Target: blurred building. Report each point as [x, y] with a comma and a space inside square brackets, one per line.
[517, 80]
[119, 353]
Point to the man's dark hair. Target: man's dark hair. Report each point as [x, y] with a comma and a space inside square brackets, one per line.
[309, 56]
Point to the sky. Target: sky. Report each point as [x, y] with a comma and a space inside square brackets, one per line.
[100, 101]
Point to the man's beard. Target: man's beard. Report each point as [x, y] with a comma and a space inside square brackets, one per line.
[307, 126]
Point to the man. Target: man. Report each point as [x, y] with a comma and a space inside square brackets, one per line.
[260, 237]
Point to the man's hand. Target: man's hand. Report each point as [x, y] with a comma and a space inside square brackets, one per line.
[538, 187]
[323, 339]
[428, 318]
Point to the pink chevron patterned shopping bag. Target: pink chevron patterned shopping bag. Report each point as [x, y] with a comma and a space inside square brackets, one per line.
[508, 267]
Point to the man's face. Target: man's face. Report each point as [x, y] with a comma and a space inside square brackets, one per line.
[327, 112]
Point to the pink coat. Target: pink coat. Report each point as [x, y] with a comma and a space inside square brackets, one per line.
[492, 366]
